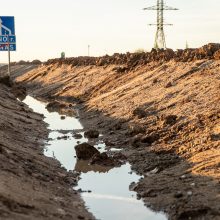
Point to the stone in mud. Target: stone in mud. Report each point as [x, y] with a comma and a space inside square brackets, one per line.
[91, 134]
[85, 151]
[150, 139]
[55, 105]
[117, 126]
[170, 120]
[215, 137]
[155, 81]
[6, 81]
[133, 186]
[120, 69]
[151, 193]
[109, 143]
[77, 136]
[103, 159]
[136, 141]
[140, 113]
[19, 92]
[120, 157]
[62, 138]
[193, 213]
[169, 84]
[136, 129]
[178, 195]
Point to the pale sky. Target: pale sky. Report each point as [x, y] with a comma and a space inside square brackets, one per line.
[45, 28]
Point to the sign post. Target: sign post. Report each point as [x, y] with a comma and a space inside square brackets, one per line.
[7, 37]
[9, 58]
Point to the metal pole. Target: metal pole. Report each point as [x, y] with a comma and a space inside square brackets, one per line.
[160, 41]
[9, 58]
[88, 50]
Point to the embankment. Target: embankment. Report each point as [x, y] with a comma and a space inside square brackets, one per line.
[162, 108]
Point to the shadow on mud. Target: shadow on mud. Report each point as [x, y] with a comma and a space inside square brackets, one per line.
[84, 167]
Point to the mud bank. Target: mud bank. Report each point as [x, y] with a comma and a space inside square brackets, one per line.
[32, 186]
[165, 115]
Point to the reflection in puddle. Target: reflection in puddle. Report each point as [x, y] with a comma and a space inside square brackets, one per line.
[62, 149]
[84, 167]
[117, 208]
[110, 198]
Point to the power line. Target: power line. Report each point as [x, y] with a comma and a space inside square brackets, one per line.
[160, 41]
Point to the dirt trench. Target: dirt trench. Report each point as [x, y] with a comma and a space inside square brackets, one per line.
[166, 117]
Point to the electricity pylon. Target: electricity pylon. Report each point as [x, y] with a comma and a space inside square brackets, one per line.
[160, 41]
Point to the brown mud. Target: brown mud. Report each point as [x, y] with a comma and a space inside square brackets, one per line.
[162, 108]
[32, 186]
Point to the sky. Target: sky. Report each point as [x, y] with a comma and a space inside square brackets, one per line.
[45, 28]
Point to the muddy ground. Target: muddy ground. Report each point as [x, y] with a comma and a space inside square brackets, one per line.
[32, 186]
[162, 108]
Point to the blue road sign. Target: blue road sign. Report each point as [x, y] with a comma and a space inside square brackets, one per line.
[7, 29]
[4, 47]
[4, 39]
[7, 25]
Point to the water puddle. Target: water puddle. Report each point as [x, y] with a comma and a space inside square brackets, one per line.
[105, 190]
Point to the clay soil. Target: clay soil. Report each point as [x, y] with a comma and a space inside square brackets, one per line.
[32, 186]
[163, 114]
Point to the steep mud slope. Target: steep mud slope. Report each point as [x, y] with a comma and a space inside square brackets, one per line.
[165, 114]
[31, 185]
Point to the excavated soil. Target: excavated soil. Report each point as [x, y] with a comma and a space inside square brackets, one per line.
[32, 186]
[162, 108]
